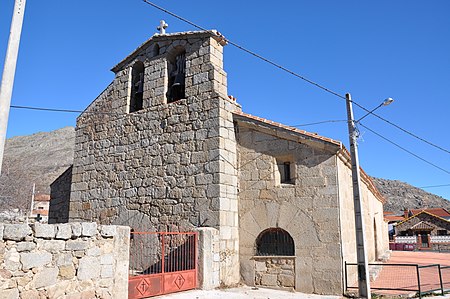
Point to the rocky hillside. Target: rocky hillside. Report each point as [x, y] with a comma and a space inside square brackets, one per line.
[401, 196]
[40, 158]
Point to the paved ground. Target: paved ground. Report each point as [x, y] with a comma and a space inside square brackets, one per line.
[406, 276]
[243, 293]
[403, 276]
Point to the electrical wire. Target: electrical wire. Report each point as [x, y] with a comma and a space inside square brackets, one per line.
[296, 75]
[320, 122]
[401, 129]
[46, 109]
[435, 186]
[404, 149]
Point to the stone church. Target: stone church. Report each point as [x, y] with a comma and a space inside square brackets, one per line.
[165, 146]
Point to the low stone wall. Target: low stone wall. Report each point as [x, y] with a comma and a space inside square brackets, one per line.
[275, 272]
[71, 260]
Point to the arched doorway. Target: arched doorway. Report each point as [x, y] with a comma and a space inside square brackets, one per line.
[275, 259]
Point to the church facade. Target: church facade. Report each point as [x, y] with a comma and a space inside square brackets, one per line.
[163, 145]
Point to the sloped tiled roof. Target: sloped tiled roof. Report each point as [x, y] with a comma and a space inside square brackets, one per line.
[441, 212]
[393, 218]
[423, 212]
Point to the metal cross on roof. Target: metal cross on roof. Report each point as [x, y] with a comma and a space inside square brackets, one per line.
[162, 27]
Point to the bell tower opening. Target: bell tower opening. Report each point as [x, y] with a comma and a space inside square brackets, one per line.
[137, 87]
[177, 74]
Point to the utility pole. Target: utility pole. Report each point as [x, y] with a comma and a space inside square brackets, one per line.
[9, 70]
[361, 254]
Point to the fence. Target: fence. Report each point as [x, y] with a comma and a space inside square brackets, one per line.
[402, 246]
[399, 279]
[162, 262]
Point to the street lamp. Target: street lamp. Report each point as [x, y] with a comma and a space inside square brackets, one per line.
[361, 253]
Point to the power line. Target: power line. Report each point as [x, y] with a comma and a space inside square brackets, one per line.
[46, 109]
[62, 110]
[403, 130]
[404, 149]
[295, 74]
[435, 186]
[320, 122]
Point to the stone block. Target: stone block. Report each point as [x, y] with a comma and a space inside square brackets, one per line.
[88, 229]
[106, 271]
[67, 272]
[94, 251]
[88, 268]
[106, 259]
[64, 259]
[74, 245]
[35, 259]
[30, 294]
[25, 246]
[12, 260]
[76, 229]
[46, 231]
[108, 231]
[45, 278]
[286, 280]
[9, 294]
[269, 280]
[53, 246]
[5, 274]
[64, 231]
[1, 231]
[260, 266]
[16, 232]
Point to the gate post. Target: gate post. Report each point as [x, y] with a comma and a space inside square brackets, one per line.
[208, 258]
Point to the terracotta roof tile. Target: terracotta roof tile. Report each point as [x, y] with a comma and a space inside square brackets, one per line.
[394, 218]
[441, 212]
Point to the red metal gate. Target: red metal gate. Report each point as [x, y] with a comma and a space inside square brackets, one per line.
[162, 263]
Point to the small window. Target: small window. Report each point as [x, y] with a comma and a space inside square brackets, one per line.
[442, 232]
[137, 87]
[286, 172]
[275, 242]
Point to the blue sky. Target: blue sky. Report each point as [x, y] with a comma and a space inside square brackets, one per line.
[373, 50]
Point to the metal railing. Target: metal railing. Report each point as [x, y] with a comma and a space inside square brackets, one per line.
[162, 263]
[398, 279]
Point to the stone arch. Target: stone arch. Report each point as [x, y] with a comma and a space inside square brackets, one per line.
[137, 87]
[274, 241]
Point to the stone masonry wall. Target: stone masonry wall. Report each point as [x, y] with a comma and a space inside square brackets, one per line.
[275, 272]
[59, 195]
[307, 208]
[67, 261]
[169, 164]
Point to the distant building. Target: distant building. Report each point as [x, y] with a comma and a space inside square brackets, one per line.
[40, 207]
[426, 229]
[164, 145]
